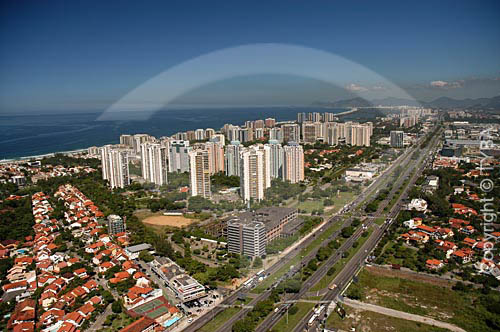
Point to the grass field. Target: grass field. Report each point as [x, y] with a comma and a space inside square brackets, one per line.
[118, 323]
[295, 260]
[326, 280]
[219, 320]
[338, 203]
[372, 321]
[293, 320]
[464, 309]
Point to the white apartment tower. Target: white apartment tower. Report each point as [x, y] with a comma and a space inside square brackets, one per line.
[276, 159]
[114, 161]
[255, 172]
[178, 159]
[154, 163]
[232, 159]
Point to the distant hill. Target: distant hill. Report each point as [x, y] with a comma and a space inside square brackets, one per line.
[345, 103]
[441, 102]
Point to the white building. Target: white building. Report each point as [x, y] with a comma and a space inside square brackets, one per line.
[418, 204]
[255, 172]
[114, 161]
[154, 163]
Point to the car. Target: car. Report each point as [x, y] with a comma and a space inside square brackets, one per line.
[190, 320]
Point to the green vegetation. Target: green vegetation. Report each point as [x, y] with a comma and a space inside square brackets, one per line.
[219, 319]
[472, 310]
[295, 314]
[337, 267]
[18, 213]
[220, 180]
[296, 259]
[372, 321]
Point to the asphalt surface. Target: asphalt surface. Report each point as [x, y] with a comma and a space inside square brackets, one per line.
[320, 273]
[343, 279]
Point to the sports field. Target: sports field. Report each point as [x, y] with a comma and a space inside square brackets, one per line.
[172, 221]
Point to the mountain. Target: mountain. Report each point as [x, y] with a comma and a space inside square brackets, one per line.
[391, 101]
[446, 102]
[345, 103]
[441, 102]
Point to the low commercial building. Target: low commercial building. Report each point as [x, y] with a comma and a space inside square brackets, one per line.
[185, 287]
[134, 251]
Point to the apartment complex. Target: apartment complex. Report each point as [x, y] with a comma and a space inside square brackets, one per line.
[115, 224]
[199, 173]
[114, 161]
[293, 163]
[154, 159]
[178, 160]
[255, 172]
[232, 159]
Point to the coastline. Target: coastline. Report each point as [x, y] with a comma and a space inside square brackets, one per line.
[185, 126]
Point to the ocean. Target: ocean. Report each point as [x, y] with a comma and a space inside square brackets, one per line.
[32, 135]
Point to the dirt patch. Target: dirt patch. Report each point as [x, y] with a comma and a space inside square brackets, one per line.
[172, 221]
[409, 276]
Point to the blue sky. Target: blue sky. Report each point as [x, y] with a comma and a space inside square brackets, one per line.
[85, 55]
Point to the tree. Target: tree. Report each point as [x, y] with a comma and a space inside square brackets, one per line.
[257, 263]
[146, 256]
[116, 307]
[293, 310]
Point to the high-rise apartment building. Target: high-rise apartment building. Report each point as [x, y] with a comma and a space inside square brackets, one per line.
[255, 172]
[270, 122]
[397, 139]
[209, 133]
[293, 163]
[232, 159]
[115, 224]
[276, 159]
[309, 132]
[291, 132]
[199, 173]
[199, 134]
[216, 155]
[154, 164]
[276, 134]
[178, 159]
[114, 161]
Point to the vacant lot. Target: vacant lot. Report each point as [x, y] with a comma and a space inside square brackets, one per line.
[368, 321]
[171, 221]
[469, 310]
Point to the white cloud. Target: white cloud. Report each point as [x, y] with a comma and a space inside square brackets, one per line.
[355, 88]
[447, 85]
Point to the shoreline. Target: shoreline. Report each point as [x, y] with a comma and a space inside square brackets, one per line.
[51, 154]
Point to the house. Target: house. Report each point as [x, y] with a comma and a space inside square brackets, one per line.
[417, 204]
[469, 242]
[462, 209]
[144, 324]
[81, 273]
[445, 232]
[463, 255]
[413, 223]
[433, 264]
[414, 237]
[426, 229]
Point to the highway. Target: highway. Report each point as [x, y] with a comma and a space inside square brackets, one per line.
[343, 279]
[357, 203]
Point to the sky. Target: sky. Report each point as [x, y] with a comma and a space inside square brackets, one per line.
[87, 55]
